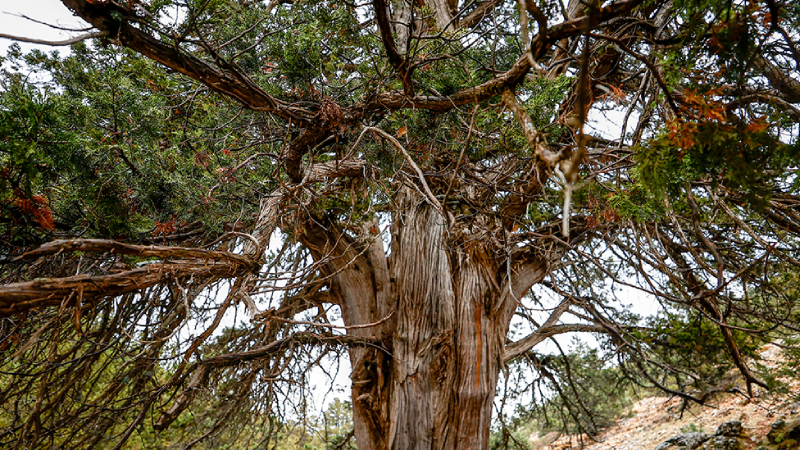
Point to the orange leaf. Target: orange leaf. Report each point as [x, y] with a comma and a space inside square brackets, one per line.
[402, 131]
[757, 127]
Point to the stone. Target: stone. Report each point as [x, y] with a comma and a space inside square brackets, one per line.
[776, 431]
[791, 437]
[785, 435]
[685, 441]
[730, 429]
[722, 443]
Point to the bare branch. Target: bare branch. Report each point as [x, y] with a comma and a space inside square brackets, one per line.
[70, 41]
[20, 297]
[430, 197]
[201, 370]
[103, 245]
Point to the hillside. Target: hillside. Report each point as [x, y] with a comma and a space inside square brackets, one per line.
[656, 419]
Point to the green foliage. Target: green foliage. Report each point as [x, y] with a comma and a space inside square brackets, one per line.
[545, 96]
[312, 48]
[506, 439]
[739, 158]
[633, 204]
[337, 425]
[104, 147]
[589, 393]
[692, 428]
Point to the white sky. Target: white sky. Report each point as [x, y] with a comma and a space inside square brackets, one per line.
[52, 12]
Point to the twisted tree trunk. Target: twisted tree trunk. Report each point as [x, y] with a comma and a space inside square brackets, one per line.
[433, 388]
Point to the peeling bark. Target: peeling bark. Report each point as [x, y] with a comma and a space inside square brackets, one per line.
[436, 389]
[19, 297]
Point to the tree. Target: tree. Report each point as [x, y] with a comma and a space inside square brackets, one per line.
[431, 172]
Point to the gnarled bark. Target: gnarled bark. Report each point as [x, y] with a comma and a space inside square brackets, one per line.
[435, 388]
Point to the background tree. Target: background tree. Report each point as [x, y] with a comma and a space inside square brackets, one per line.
[424, 171]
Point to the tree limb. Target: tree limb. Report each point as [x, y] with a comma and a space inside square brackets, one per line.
[398, 61]
[159, 251]
[231, 83]
[24, 296]
[70, 41]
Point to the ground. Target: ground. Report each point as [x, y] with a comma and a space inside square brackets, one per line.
[656, 419]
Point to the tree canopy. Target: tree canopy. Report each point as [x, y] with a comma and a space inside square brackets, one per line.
[429, 189]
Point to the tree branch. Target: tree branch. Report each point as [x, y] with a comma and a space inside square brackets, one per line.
[159, 251]
[25, 296]
[398, 62]
[70, 41]
[516, 349]
[184, 399]
[231, 83]
[483, 10]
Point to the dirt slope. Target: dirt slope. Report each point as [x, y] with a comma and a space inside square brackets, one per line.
[656, 419]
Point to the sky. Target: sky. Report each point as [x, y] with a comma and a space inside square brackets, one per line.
[52, 12]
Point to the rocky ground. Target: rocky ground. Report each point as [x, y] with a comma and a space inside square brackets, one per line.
[768, 422]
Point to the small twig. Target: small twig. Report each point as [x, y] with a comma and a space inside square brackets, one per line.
[40, 22]
[268, 315]
[461, 155]
[431, 198]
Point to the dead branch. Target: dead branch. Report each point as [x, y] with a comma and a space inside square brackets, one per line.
[70, 41]
[16, 298]
[158, 251]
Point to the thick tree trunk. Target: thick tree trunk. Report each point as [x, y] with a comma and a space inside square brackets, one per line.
[449, 340]
[434, 387]
[424, 340]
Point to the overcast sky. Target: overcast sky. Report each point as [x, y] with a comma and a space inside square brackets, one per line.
[52, 12]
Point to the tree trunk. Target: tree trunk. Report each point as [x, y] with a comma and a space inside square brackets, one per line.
[434, 387]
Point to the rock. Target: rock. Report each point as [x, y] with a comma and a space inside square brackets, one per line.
[730, 429]
[791, 438]
[722, 443]
[776, 431]
[785, 435]
[685, 441]
[725, 438]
